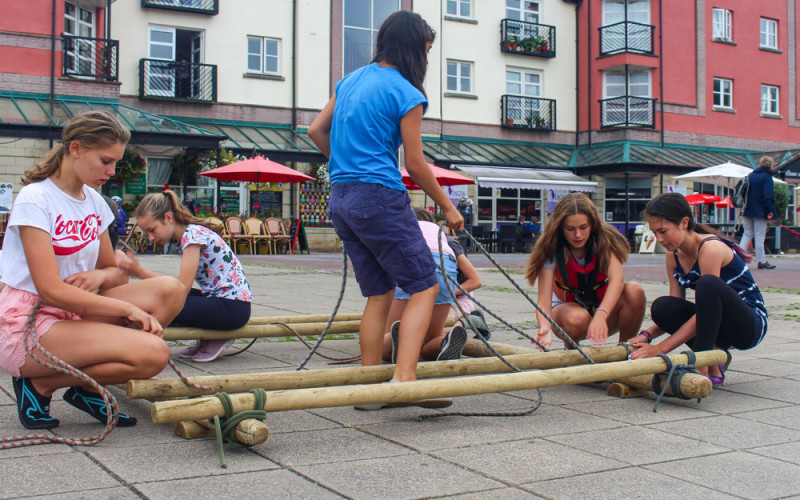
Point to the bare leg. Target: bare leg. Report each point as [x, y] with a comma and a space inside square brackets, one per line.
[371, 331]
[163, 297]
[413, 328]
[573, 319]
[109, 354]
[627, 316]
[436, 332]
[395, 313]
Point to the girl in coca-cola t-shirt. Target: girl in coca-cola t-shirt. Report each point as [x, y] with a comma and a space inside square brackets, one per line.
[57, 251]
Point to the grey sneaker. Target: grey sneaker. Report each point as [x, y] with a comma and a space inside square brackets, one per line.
[452, 344]
[395, 334]
[190, 351]
[211, 350]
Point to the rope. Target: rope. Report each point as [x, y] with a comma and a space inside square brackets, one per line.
[333, 314]
[60, 366]
[226, 427]
[300, 337]
[674, 375]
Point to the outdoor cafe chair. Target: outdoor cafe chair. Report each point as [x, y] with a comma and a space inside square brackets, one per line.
[277, 231]
[256, 229]
[238, 233]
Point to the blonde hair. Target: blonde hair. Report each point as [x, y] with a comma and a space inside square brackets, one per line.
[156, 206]
[609, 241]
[765, 162]
[91, 129]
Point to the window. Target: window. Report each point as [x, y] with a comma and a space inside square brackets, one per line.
[614, 84]
[523, 10]
[80, 57]
[78, 21]
[627, 98]
[722, 21]
[523, 82]
[263, 55]
[459, 77]
[507, 204]
[769, 33]
[614, 11]
[769, 100]
[362, 19]
[639, 194]
[723, 93]
[459, 8]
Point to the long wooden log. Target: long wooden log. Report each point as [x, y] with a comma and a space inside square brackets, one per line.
[693, 385]
[324, 397]
[271, 381]
[477, 349]
[307, 318]
[253, 331]
[250, 432]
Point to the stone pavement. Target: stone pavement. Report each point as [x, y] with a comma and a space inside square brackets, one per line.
[743, 441]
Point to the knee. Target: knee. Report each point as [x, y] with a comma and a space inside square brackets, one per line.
[576, 321]
[708, 283]
[171, 291]
[633, 295]
[154, 358]
[660, 309]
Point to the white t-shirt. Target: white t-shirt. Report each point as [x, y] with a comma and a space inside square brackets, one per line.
[74, 227]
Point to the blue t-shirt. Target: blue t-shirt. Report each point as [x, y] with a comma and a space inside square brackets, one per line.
[365, 133]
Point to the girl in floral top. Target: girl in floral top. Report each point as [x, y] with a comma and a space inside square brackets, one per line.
[223, 300]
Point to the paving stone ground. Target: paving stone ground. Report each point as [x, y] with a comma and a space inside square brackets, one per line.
[743, 441]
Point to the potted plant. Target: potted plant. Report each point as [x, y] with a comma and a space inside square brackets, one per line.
[511, 42]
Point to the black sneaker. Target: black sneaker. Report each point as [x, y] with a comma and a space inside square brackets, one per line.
[93, 404]
[395, 335]
[33, 408]
[765, 265]
[452, 344]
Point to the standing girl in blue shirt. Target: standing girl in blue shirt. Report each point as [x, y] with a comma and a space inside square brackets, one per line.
[373, 111]
[728, 310]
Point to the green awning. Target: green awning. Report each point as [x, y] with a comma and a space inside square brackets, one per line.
[278, 142]
[469, 151]
[36, 116]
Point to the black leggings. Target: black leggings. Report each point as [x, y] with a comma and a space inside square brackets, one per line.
[723, 318]
[213, 313]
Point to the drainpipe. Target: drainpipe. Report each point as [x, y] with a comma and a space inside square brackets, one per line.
[52, 62]
[294, 96]
[589, 74]
[577, 79]
[108, 20]
[661, 63]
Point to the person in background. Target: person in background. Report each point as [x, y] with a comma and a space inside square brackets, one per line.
[759, 208]
[121, 220]
[113, 233]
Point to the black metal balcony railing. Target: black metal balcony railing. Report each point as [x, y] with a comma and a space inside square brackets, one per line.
[180, 80]
[209, 7]
[530, 39]
[628, 111]
[626, 36]
[90, 57]
[530, 113]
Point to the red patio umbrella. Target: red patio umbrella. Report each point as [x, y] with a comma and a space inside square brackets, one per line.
[725, 203]
[443, 176]
[702, 198]
[258, 169]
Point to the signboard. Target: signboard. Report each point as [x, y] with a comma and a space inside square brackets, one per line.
[229, 201]
[114, 186]
[267, 203]
[648, 244]
[676, 189]
[455, 193]
[6, 190]
[137, 185]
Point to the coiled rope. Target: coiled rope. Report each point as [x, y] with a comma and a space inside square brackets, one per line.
[226, 427]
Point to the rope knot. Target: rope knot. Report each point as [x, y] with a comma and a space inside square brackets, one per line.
[226, 427]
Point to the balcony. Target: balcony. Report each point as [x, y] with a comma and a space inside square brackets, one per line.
[528, 113]
[208, 7]
[627, 36]
[91, 58]
[177, 80]
[527, 39]
[628, 111]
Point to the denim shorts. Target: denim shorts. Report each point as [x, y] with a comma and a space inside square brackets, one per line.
[382, 238]
[444, 296]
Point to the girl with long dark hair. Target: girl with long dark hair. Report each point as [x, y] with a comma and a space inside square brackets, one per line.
[728, 310]
[373, 111]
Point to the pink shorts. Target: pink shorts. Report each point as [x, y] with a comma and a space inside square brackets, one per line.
[15, 306]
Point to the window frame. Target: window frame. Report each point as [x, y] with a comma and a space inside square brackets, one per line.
[769, 100]
[263, 55]
[630, 74]
[460, 9]
[459, 65]
[727, 24]
[769, 23]
[521, 11]
[721, 93]
[372, 30]
[623, 2]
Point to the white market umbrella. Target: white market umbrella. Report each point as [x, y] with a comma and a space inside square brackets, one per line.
[725, 174]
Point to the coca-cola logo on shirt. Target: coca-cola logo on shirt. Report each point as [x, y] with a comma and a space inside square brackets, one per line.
[72, 235]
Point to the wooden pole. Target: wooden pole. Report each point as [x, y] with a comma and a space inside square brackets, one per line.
[693, 385]
[250, 432]
[324, 397]
[477, 349]
[253, 331]
[272, 381]
[308, 318]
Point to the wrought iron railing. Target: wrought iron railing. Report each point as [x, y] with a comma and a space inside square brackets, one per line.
[626, 36]
[628, 111]
[530, 39]
[209, 7]
[182, 80]
[531, 113]
[90, 57]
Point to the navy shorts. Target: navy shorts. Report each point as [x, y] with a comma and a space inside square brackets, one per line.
[382, 238]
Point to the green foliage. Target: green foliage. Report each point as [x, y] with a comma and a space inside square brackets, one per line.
[130, 164]
[781, 199]
[185, 167]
